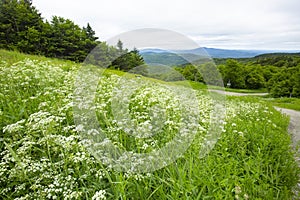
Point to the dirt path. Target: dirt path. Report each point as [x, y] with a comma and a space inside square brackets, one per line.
[294, 127]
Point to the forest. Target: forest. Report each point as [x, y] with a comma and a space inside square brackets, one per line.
[23, 29]
[278, 73]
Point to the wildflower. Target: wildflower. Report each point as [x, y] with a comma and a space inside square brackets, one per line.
[241, 133]
[237, 189]
[99, 195]
[14, 127]
[79, 128]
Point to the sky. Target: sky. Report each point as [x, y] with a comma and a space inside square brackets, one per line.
[227, 24]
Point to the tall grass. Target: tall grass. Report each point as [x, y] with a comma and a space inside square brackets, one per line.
[43, 156]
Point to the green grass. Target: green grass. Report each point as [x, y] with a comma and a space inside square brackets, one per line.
[11, 57]
[44, 156]
[263, 90]
[191, 84]
[285, 102]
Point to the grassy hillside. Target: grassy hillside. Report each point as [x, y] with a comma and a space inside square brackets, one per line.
[44, 154]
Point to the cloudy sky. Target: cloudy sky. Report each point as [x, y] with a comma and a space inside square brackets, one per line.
[230, 24]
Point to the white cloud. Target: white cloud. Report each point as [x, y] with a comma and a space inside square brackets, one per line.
[253, 24]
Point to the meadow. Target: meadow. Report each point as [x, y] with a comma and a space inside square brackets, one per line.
[44, 155]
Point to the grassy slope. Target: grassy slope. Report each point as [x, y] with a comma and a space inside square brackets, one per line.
[251, 160]
[289, 103]
[263, 90]
[12, 57]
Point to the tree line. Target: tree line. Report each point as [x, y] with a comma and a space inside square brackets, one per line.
[280, 74]
[23, 29]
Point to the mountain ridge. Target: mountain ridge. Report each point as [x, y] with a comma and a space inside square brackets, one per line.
[219, 53]
[179, 57]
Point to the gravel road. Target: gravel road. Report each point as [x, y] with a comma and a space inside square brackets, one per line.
[294, 127]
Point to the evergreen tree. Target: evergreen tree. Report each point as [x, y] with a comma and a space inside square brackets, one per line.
[103, 55]
[91, 40]
[90, 33]
[120, 45]
[68, 40]
[20, 26]
[128, 60]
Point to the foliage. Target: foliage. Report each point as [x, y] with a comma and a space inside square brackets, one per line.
[127, 60]
[280, 80]
[19, 22]
[233, 73]
[67, 40]
[190, 72]
[207, 73]
[278, 72]
[22, 28]
[285, 82]
[210, 74]
[278, 59]
[254, 78]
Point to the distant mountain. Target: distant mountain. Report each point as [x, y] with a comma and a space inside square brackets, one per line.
[275, 59]
[150, 50]
[228, 53]
[163, 58]
[179, 57]
[278, 54]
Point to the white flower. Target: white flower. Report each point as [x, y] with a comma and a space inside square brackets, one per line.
[79, 128]
[14, 127]
[237, 189]
[99, 195]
